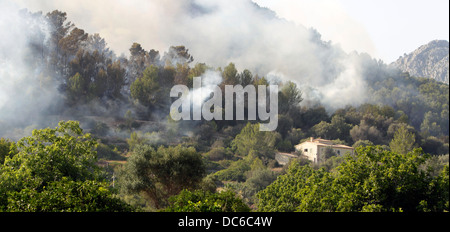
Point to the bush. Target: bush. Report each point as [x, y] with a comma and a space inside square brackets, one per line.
[67, 196]
[204, 201]
[105, 152]
[218, 153]
[236, 172]
[55, 170]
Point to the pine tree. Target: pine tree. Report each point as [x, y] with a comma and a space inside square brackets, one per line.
[403, 141]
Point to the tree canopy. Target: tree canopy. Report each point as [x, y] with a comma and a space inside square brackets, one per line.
[373, 180]
[204, 201]
[161, 173]
[55, 170]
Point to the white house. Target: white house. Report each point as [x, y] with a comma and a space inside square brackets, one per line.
[313, 149]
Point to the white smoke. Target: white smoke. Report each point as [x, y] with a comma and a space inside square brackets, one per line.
[222, 31]
[25, 92]
[209, 80]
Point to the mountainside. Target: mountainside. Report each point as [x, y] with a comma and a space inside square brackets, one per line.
[430, 60]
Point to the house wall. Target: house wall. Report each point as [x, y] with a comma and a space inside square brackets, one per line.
[311, 150]
[339, 151]
[314, 151]
[343, 151]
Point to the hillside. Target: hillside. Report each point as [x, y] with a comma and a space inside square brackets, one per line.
[430, 60]
[117, 146]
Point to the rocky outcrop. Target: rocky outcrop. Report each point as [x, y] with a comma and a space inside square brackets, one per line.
[430, 60]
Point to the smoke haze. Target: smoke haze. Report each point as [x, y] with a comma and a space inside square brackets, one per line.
[215, 32]
[25, 92]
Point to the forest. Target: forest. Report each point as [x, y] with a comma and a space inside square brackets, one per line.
[106, 143]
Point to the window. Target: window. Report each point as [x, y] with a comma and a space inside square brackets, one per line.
[338, 152]
[306, 150]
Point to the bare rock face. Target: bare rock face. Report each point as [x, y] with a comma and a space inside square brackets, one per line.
[430, 60]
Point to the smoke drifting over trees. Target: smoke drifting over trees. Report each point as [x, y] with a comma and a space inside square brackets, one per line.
[259, 41]
[24, 90]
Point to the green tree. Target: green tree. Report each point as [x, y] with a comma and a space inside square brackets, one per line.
[311, 116]
[322, 130]
[372, 180]
[55, 153]
[260, 81]
[67, 196]
[55, 170]
[445, 120]
[115, 79]
[136, 139]
[167, 77]
[245, 78]
[71, 43]
[139, 60]
[204, 201]
[284, 125]
[434, 146]
[76, 90]
[161, 173]
[439, 196]
[341, 129]
[57, 20]
[136, 50]
[337, 129]
[5, 148]
[251, 139]
[99, 76]
[365, 131]
[129, 119]
[99, 86]
[60, 28]
[403, 141]
[289, 97]
[295, 135]
[146, 89]
[430, 125]
[235, 172]
[96, 43]
[293, 191]
[363, 143]
[177, 55]
[258, 178]
[382, 180]
[100, 129]
[181, 75]
[230, 75]
[198, 70]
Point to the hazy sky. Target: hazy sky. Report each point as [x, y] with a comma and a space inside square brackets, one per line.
[386, 29]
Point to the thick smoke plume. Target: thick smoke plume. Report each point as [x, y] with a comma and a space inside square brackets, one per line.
[26, 93]
[223, 31]
[215, 32]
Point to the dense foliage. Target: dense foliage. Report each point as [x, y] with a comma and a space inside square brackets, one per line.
[373, 180]
[55, 170]
[161, 173]
[200, 201]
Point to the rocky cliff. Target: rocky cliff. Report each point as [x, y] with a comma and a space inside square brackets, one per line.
[430, 60]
